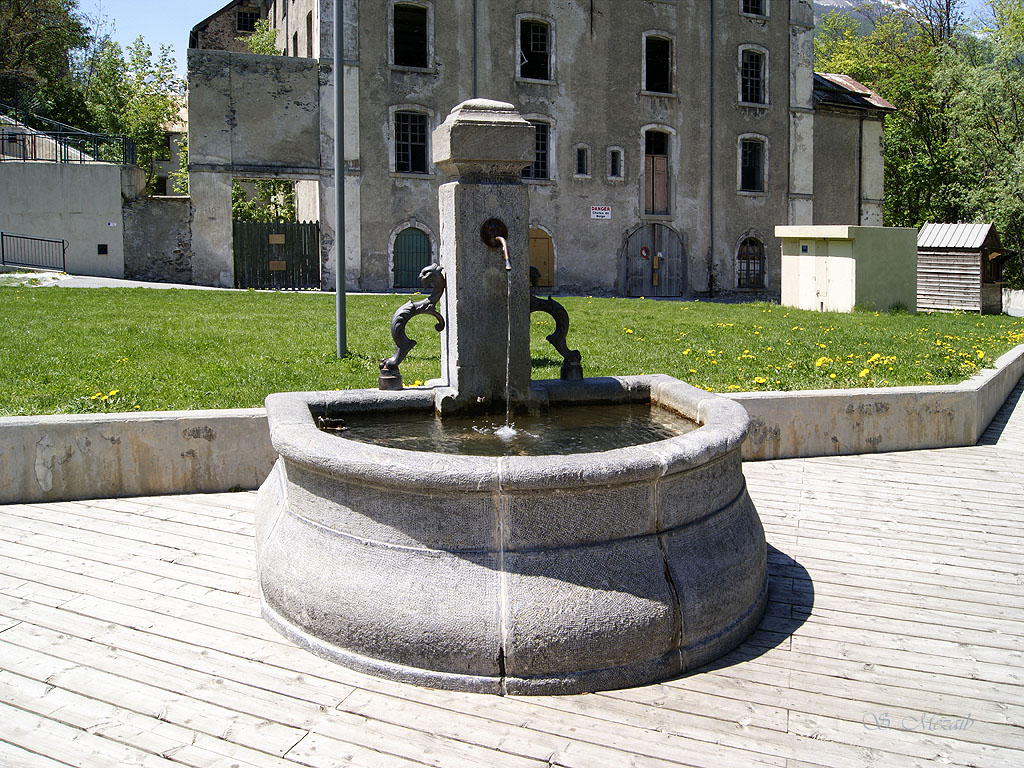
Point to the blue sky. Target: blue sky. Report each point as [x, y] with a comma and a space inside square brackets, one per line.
[161, 23]
[168, 23]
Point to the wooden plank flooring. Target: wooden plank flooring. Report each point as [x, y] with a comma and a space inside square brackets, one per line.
[130, 636]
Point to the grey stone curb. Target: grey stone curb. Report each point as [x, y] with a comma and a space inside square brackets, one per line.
[59, 458]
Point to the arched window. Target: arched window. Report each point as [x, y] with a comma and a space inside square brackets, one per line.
[753, 79]
[657, 64]
[750, 264]
[410, 38]
[412, 253]
[752, 161]
[535, 47]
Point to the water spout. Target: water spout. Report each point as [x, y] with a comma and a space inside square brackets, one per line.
[504, 249]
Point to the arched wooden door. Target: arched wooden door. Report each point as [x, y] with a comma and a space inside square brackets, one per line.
[655, 263]
[542, 256]
[411, 254]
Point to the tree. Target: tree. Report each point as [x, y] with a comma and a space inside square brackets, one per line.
[37, 40]
[898, 59]
[266, 200]
[263, 40]
[987, 115]
[136, 96]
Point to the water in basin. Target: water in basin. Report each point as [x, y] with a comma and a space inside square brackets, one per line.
[555, 431]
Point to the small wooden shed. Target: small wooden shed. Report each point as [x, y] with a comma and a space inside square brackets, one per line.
[959, 267]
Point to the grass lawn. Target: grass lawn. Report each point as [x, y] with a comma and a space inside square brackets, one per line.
[81, 350]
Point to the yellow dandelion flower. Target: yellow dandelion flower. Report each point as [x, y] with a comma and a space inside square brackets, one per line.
[821, 361]
[831, 375]
[863, 373]
[760, 380]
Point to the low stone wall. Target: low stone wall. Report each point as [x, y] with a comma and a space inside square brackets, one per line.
[56, 458]
[841, 422]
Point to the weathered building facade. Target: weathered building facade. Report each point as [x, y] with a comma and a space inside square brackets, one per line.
[672, 136]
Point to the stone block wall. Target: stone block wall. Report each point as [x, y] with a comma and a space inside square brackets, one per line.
[158, 240]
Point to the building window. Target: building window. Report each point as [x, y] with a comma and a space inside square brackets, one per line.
[295, 44]
[754, 7]
[410, 36]
[410, 142]
[534, 50]
[582, 161]
[309, 35]
[752, 72]
[245, 21]
[658, 65]
[656, 172]
[615, 164]
[750, 264]
[539, 168]
[752, 165]
[284, 8]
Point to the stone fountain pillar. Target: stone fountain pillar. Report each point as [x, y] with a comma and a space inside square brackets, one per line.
[483, 146]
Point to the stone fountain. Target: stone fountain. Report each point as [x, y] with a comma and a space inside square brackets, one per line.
[506, 574]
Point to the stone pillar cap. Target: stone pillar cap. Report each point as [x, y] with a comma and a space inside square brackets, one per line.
[484, 138]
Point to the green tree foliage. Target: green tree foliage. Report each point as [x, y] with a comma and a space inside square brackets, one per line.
[263, 40]
[986, 78]
[179, 178]
[898, 58]
[136, 94]
[61, 64]
[37, 41]
[263, 200]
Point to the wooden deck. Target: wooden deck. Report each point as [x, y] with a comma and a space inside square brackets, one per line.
[130, 636]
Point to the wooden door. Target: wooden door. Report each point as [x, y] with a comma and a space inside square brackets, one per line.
[542, 256]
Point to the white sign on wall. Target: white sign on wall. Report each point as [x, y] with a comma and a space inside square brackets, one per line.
[600, 211]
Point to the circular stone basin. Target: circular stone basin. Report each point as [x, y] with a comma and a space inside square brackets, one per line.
[554, 431]
[512, 574]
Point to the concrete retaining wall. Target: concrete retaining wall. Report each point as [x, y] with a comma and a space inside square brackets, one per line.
[840, 422]
[56, 458]
[80, 203]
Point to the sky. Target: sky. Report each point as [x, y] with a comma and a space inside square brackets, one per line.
[160, 22]
[168, 23]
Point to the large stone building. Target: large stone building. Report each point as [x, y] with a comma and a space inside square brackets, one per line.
[672, 135]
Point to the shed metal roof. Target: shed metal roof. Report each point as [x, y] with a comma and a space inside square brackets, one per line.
[843, 91]
[961, 237]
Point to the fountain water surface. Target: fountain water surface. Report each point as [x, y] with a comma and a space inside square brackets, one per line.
[506, 573]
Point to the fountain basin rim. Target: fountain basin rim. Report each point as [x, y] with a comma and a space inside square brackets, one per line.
[295, 436]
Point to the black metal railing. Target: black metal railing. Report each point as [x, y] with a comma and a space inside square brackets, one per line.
[41, 139]
[33, 252]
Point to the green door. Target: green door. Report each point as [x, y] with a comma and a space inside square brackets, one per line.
[412, 254]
